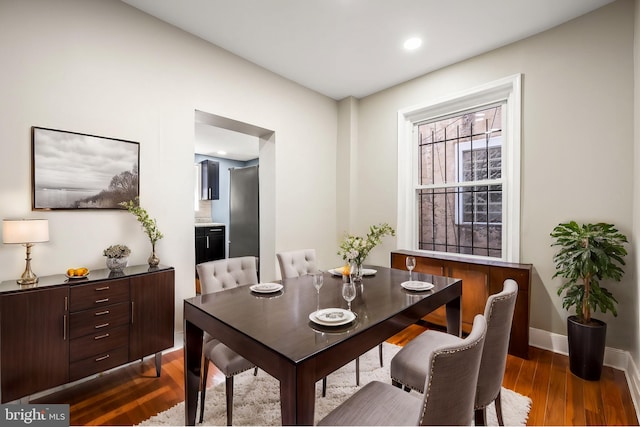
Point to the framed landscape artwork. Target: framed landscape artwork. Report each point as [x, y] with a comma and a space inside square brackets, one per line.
[77, 171]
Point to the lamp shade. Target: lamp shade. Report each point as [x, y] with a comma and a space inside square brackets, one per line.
[25, 230]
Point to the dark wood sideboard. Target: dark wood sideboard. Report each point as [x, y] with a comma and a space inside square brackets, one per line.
[480, 278]
[62, 330]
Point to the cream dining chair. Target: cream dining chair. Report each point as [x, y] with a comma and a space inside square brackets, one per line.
[450, 387]
[216, 276]
[408, 369]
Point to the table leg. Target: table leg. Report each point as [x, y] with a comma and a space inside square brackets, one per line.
[192, 359]
[454, 317]
[297, 399]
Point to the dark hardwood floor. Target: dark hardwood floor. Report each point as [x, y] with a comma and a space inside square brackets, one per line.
[131, 394]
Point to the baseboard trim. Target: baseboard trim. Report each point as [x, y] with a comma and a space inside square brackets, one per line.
[613, 357]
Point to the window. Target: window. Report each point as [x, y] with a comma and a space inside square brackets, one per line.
[459, 173]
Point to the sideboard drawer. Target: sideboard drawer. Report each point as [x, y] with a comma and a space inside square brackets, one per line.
[97, 319]
[99, 342]
[98, 363]
[92, 295]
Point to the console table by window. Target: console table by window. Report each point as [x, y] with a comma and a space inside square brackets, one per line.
[480, 278]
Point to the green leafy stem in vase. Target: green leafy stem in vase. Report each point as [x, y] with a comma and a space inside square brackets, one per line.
[149, 224]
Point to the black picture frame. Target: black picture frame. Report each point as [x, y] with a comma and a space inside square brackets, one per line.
[71, 170]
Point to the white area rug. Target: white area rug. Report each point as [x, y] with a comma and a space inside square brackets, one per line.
[256, 400]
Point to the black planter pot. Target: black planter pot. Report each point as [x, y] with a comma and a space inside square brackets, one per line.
[586, 347]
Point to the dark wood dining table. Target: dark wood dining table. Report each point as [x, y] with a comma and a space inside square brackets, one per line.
[274, 330]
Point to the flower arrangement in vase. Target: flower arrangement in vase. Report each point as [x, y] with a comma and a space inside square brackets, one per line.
[149, 225]
[355, 249]
[117, 257]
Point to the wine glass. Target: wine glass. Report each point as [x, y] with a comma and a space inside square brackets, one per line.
[349, 292]
[318, 280]
[411, 264]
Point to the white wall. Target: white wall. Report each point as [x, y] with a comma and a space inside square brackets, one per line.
[577, 146]
[105, 68]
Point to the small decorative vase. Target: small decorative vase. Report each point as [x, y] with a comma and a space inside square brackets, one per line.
[117, 264]
[153, 260]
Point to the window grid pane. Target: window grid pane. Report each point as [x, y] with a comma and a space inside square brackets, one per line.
[461, 219]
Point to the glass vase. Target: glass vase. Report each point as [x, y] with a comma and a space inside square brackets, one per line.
[153, 260]
[117, 264]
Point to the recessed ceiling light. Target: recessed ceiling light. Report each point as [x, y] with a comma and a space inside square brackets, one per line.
[412, 43]
[222, 153]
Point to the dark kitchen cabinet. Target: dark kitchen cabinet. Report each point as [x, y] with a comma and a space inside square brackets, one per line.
[210, 186]
[210, 243]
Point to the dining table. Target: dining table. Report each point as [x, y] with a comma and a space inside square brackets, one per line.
[277, 331]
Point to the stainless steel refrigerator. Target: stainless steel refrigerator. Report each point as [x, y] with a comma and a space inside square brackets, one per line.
[244, 212]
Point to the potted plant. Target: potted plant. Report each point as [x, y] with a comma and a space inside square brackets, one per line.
[588, 254]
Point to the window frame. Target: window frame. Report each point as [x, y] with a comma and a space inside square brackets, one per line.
[507, 90]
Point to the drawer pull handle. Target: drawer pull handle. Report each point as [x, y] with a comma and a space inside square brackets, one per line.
[103, 288]
[99, 337]
[101, 313]
[98, 301]
[99, 359]
[104, 325]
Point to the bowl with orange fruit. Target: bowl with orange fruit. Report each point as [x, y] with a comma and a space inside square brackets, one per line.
[77, 273]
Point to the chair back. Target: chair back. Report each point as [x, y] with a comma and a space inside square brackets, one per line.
[227, 273]
[450, 386]
[499, 314]
[297, 263]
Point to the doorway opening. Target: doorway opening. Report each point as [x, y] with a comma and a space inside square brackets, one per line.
[243, 204]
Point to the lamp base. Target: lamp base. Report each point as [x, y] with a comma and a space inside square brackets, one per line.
[27, 282]
[28, 277]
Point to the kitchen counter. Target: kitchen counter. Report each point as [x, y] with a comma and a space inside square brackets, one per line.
[209, 224]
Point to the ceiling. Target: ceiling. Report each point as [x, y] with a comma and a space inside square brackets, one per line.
[354, 48]
[210, 140]
[343, 48]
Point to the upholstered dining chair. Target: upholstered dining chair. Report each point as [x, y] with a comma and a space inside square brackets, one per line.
[216, 276]
[408, 370]
[450, 388]
[297, 263]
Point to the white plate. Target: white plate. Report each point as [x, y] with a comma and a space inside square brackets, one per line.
[365, 271]
[415, 285]
[266, 288]
[332, 317]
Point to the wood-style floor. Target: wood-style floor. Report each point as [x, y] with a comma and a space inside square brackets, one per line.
[131, 394]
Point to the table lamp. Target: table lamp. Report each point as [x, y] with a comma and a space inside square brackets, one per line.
[25, 232]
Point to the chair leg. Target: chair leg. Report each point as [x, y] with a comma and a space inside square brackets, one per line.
[498, 404]
[255, 372]
[324, 387]
[380, 352]
[357, 371]
[229, 392]
[203, 386]
[481, 417]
